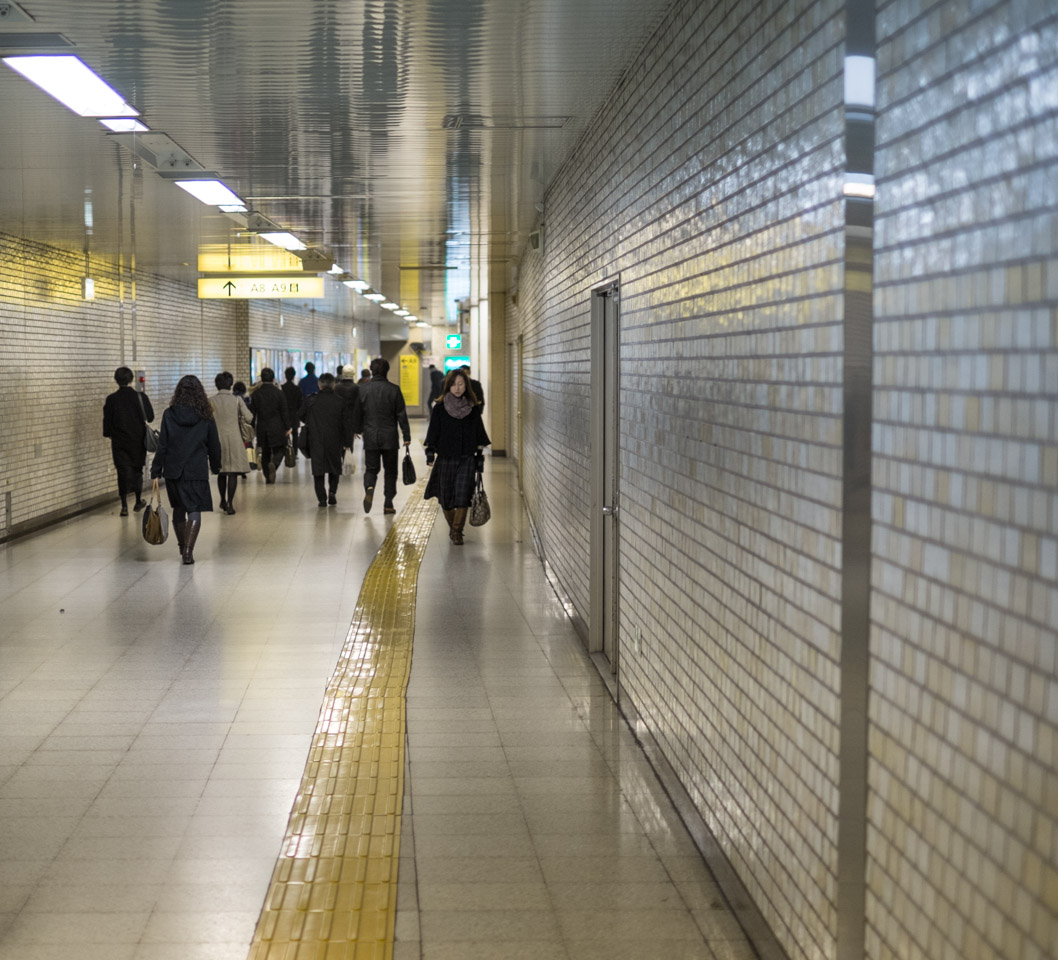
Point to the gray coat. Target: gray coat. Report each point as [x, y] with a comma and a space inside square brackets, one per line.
[230, 412]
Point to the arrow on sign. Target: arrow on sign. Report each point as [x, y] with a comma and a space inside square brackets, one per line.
[229, 286]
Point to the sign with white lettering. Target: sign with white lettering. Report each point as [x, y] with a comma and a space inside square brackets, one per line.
[259, 288]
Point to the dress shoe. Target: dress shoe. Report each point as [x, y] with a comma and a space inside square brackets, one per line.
[332, 500]
[230, 510]
[369, 495]
[322, 504]
[139, 505]
[389, 508]
[124, 512]
[224, 505]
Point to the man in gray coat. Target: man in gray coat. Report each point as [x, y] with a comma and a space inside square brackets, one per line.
[379, 411]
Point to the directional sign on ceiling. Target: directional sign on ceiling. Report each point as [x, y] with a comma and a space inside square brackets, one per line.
[259, 288]
[246, 258]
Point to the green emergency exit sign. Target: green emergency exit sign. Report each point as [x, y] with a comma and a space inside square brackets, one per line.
[454, 341]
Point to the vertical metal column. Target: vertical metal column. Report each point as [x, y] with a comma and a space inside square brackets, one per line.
[856, 494]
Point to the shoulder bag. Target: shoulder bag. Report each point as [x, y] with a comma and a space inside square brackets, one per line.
[150, 436]
[155, 519]
[479, 504]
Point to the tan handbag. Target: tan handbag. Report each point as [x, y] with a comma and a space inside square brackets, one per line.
[155, 519]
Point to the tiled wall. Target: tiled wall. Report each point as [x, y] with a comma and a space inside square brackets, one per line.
[58, 353]
[711, 184]
[963, 803]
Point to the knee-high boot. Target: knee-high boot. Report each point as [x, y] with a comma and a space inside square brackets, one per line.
[180, 529]
[193, 527]
[448, 517]
[459, 519]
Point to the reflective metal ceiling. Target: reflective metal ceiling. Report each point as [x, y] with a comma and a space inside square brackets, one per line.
[412, 139]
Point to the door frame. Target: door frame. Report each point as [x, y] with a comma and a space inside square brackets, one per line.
[604, 440]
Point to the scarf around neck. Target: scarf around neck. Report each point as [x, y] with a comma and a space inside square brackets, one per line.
[457, 407]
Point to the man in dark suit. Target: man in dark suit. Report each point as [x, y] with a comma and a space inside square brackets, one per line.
[380, 411]
[269, 409]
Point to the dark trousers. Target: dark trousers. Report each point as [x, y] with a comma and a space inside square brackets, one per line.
[130, 474]
[371, 464]
[273, 455]
[321, 490]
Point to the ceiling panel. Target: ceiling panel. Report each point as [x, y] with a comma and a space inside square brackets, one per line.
[406, 137]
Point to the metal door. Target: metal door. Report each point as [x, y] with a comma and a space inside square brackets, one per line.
[605, 356]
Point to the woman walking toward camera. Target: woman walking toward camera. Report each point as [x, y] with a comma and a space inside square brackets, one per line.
[456, 437]
[188, 449]
[234, 426]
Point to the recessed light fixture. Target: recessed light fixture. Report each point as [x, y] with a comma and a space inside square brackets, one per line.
[390, 305]
[212, 192]
[125, 125]
[283, 239]
[70, 81]
[400, 313]
[335, 270]
[411, 318]
[232, 207]
[374, 296]
[358, 285]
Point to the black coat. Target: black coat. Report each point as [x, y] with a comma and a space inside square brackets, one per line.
[380, 410]
[188, 446]
[271, 416]
[123, 424]
[294, 397]
[451, 438]
[349, 392]
[329, 421]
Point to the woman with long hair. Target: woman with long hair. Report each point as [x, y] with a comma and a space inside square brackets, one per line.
[188, 449]
[456, 437]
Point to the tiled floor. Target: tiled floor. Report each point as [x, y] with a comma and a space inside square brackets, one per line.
[155, 720]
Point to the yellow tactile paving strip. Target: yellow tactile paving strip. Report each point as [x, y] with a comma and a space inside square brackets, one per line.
[334, 890]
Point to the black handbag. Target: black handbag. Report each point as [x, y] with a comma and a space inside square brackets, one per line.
[150, 435]
[290, 458]
[480, 513]
[408, 469]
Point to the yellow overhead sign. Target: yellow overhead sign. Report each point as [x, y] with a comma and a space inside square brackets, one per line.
[245, 258]
[259, 288]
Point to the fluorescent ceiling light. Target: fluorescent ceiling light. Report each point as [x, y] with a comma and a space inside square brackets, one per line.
[358, 285]
[212, 192]
[335, 270]
[282, 239]
[374, 296]
[232, 207]
[73, 84]
[125, 125]
[400, 313]
[390, 305]
[411, 318]
[422, 323]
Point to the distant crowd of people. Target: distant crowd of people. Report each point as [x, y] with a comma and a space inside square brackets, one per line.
[318, 417]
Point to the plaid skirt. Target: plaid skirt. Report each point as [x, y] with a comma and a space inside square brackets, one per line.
[452, 482]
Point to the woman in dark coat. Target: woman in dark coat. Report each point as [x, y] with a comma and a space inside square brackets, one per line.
[124, 420]
[456, 437]
[328, 418]
[188, 449]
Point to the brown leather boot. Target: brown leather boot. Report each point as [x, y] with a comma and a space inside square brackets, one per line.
[448, 517]
[180, 529]
[193, 527]
[459, 519]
